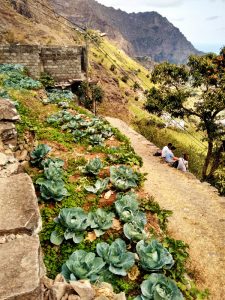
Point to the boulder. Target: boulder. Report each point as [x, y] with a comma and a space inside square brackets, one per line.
[19, 211]
[84, 289]
[8, 111]
[8, 133]
[9, 169]
[19, 262]
[8, 165]
[21, 155]
[3, 159]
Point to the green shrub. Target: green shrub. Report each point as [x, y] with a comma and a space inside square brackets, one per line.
[46, 80]
[112, 68]
[125, 78]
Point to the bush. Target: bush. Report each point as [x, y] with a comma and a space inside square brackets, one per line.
[124, 78]
[96, 94]
[112, 68]
[46, 80]
[136, 86]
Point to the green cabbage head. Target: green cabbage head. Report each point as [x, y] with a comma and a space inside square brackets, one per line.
[153, 256]
[126, 206]
[82, 265]
[135, 229]
[93, 166]
[99, 186]
[39, 153]
[116, 256]
[159, 287]
[73, 221]
[123, 178]
[100, 221]
[52, 189]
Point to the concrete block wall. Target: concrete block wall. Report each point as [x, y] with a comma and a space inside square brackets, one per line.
[63, 63]
[26, 55]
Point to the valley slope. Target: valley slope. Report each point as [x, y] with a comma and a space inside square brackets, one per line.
[138, 34]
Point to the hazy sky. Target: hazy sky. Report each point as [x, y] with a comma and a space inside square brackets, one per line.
[201, 21]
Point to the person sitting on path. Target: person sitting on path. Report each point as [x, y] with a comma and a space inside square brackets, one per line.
[165, 149]
[170, 158]
[183, 163]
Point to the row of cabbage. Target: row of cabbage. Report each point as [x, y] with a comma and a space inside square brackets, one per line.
[94, 130]
[74, 223]
[52, 185]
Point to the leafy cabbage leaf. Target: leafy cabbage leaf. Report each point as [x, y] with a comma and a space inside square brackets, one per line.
[82, 265]
[153, 256]
[116, 256]
[159, 287]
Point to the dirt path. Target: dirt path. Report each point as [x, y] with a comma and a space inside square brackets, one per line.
[198, 212]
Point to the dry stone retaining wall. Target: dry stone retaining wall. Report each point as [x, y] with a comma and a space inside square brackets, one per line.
[20, 221]
[63, 63]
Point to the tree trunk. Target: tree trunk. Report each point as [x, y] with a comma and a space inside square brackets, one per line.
[207, 160]
[216, 161]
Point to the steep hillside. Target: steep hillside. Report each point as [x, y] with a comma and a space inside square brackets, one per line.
[139, 34]
[123, 93]
[32, 22]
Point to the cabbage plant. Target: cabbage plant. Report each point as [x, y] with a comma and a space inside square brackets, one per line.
[153, 256]
[93, 167]
[116, 256]
[123, 178]
[52, 189]
[39, 153]
[99, 186]
[100, 221]
[126, 206]
[73, 222]
[82, 265]
[78, 135]
[57, 162]
[159, 287]
[135, 229]
[54, 173]
[96, 139]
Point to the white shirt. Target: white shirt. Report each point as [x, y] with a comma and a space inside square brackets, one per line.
[182, 164]
[164, 151]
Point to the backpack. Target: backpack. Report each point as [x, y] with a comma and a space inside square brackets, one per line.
[175, 164]
[158, 153]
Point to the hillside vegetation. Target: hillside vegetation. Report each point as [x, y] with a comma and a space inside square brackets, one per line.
[123, 80]
[87, 175]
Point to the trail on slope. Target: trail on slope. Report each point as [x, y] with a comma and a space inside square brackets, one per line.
[198, 212]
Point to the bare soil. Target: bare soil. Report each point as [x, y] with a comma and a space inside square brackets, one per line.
[198, 212]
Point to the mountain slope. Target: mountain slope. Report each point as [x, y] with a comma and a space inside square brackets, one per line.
[139, 34]
[33, 22]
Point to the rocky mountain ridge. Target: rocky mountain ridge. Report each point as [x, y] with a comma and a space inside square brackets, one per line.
[139, 34]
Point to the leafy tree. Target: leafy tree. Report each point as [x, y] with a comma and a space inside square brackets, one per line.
[204, 79]
[96, 93]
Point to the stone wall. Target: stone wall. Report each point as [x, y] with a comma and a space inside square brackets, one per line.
[20, 222]
[63, 63]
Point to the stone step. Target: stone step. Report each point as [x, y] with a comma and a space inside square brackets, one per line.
[19, 211]
[20, 269]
